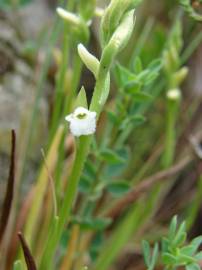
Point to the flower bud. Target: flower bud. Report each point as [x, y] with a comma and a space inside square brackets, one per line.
[88, 59]
[68, 16]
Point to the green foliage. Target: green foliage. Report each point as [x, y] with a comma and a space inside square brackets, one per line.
[6, 4]
[187, 5]
[175, 252]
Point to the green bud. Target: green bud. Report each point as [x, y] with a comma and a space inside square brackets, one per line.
[68, 16]
[123, 32]
[114, 15]
[180, 75]
[89, 60]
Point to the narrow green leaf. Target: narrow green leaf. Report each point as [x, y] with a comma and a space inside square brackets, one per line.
[81, 100]
[118, 188]
[184, 259]
[196, 242]
[188, 250]
[142, 97]
[111, 156]
[18, 265]
[198, 256]
[172, 228]
[146, 252]
[181, 235]
[154, 257]
[90, 223]
[193, 266]
[137, 65]
[168, 259]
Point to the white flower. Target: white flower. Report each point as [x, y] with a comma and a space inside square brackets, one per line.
[82, 122]
[174, 94]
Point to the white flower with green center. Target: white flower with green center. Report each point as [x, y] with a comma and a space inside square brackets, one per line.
[82, 122]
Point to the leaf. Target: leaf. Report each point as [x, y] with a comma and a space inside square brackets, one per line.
[111, 156]
[168, 259]
[155, 65]
[164, 244]
[123, 75]
[84, 184]
[7, 203]
[146, 252]
[188, 250]
[193, 266]
[18, 265]
[113, 117]
[154, 257]
[196, 242]
[31, 265]
[135, 120]
[9, 3]
[198, 256]
[137, 65]
[181, 235]
[90, 223]
[184, 259]
[172, 228]
[132, 87]
[81, 100]
[142, 97]
[118, 188]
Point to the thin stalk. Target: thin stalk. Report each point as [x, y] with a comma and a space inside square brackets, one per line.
[170, 134]
[82, 150]
[74, 85]
[70, 195]
[60, 82]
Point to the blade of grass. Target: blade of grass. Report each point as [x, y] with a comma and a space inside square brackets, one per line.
[10, 189]
[31, 265]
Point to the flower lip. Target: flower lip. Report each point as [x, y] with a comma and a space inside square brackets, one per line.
[82, 122]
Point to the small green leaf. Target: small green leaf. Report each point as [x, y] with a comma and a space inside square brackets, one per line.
[181, 235]
[184, 259]
[113, 117]
[154, 257]
[142, 97]
[84, 184]
[198, 256]
[188, 250]
[137, 65]
[193, 266]
[135, 120]
[118, 188]
[18, 265]
[196, 242]
[155, 65]
[123, 75]
[172, 228]
[168, 259]
[132, 87]
[146, 252]
[81, 100]
[90, 223]
[164, 244]
[111, 156]
[180, 239]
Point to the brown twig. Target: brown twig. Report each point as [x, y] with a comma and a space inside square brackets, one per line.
[147, 183]
[10, 189]
[27, 254]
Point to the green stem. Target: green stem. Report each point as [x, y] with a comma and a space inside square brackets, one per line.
[60, 83]
[70, 195]
[170, 140]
